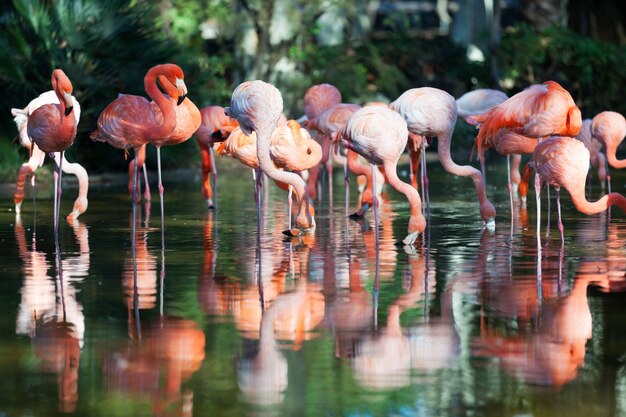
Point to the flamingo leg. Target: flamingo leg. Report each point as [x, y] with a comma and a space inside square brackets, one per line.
[508, 172]
[538, 201]
[289, 201]
[425, 179]
[213, 202]
[146, 192]
[161, 190]
[329, 169]
[558, 210]
[346, 181]
[135, 198]
[548, 219]
[375, 201]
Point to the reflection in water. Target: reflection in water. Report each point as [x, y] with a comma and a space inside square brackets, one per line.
[170, 352]
[146, 268]
[49, 312]
[463, 325]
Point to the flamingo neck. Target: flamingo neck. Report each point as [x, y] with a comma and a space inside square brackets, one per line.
[81, 175]
[589, 208]
[165, 105]
[69, 121]
[611, 149]
[264, 135]
[443, 150]
[415, 202]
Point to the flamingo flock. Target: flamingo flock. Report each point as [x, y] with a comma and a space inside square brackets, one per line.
[542, 120]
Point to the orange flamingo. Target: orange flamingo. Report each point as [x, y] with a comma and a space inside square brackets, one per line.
[215, 127]
[610, 128]
[257, 106]
[432, 112]
[516, 125]
[291, 148]
[564, 162]
[380, 135]
[21, 117]
[52, 127]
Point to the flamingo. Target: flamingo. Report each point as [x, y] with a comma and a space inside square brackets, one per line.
[257, 106]
[610, 128]
[380, 135]
[132, 121]
[432, 112]
[564, 162]
[516, 125]
[291, 148]
[215, 127]
[21, 117]
[52, 127]
[187, 122]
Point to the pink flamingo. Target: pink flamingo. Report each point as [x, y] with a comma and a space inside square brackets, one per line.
[432, 112]
[132, 121]
[257, 106]
[519, 123]
[214, 127]
[21, 117]
[380, 135]
[598, 160]
[564, 162]
[291, 149]
[610, 128]
[52, 127]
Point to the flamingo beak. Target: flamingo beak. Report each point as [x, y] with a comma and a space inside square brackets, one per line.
[69, 106]
[182, 91]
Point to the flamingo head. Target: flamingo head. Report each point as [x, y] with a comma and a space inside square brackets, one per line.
[488, 214]
[80, 206]
[175, 76]
[63, 87]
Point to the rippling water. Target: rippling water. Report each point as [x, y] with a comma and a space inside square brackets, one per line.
[468, 322]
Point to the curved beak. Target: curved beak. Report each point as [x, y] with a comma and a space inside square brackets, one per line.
[69, 106]
[182, 91]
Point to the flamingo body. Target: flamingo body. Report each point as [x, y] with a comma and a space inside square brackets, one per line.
[610, 128]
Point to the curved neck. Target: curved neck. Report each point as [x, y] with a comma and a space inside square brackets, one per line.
[165, 105]
[587, 207]
[443, 150]
[263, 136]
[81, 175]
[415, 202]
[611, 149]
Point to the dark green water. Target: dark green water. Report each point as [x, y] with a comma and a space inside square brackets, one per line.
[474, 323]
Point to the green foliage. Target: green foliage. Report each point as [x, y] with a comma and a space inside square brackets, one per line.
[593, 71]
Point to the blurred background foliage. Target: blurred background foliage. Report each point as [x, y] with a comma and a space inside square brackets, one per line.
[371, 50]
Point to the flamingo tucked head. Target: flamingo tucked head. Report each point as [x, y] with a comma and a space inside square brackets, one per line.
[293, 149]
[63, 88]
[174, 75]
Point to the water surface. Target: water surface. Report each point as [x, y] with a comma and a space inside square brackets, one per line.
[468, 322]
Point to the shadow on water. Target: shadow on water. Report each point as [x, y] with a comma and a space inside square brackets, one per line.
[341, 321]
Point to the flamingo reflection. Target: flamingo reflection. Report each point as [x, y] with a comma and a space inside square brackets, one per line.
[50, 313]
[170, 352]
